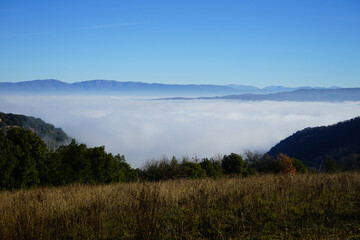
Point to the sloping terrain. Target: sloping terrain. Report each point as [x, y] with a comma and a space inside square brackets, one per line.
[340, 142]
[48, 132]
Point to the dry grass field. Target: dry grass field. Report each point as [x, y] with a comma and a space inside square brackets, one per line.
[301, 206]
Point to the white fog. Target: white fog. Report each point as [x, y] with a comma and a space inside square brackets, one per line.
[145, 129]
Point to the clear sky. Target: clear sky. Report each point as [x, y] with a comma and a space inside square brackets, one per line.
[253, 42]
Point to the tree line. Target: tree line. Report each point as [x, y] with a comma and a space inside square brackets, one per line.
[26, 161]
[229, 165]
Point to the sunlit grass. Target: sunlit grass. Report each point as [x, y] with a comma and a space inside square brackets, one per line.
[305, 206]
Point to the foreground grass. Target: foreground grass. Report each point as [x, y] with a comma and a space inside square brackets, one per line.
[309, 206]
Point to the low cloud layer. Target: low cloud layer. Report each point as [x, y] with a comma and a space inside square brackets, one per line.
[145, 129]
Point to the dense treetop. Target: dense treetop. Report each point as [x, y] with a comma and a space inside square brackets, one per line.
[25, 161]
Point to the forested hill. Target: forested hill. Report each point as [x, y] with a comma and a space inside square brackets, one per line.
[51, 135]
[339, 142]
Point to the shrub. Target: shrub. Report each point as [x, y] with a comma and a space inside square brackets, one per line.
[286, 164]
[234, 164]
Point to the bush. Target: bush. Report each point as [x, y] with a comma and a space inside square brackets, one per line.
[286, 164]
[299, 165]
[233, 164]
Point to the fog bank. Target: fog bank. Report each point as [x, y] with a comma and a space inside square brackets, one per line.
[143, 129]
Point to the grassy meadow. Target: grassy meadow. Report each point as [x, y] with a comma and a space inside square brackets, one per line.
[300, 206]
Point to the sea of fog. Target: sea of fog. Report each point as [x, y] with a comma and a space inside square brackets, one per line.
[144, 129]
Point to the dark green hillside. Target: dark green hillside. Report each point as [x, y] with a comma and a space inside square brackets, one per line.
[46, 131]
[339, 142]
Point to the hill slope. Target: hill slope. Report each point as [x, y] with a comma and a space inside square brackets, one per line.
[340, 142]
[48, 132]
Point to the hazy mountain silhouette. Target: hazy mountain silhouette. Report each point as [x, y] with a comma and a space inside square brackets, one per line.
[52, 86]
[300, 95]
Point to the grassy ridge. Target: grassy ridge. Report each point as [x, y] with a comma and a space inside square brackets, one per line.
[306, 206]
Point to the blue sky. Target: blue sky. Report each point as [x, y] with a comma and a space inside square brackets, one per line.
[250, 42]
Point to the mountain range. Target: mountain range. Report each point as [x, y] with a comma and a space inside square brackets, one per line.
[300, 95]
[52, 86]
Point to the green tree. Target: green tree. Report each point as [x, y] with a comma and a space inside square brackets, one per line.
[162, 169]
[192, 170]
[30, 152]
[123, 173]
[77, 163]
[74, 166]
[8, 163]
[212, 167]
[299, 165]
[25, 162]
[235, 165]
[253, 158]
[150, 171]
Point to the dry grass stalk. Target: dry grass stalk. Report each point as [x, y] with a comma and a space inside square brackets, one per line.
[306, 206]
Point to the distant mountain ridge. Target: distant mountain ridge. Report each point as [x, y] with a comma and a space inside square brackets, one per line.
[52, 86]
[49, 133]
[340, 142]
[300, 95]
